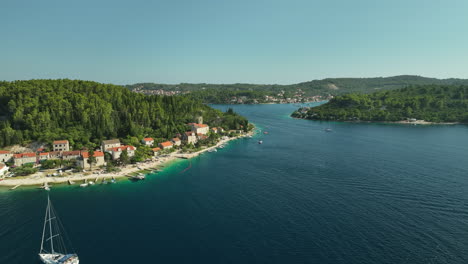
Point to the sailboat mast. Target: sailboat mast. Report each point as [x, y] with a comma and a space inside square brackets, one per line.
[45, 223]
[50, 226]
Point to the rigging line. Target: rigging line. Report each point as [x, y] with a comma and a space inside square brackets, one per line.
[64, 235]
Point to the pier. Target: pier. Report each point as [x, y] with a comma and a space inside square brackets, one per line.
[13, 188]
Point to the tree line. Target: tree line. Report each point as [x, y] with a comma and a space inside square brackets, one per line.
[85, 112]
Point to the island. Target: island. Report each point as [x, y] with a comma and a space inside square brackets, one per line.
[54, 131]
[416, 104]
[304, 92]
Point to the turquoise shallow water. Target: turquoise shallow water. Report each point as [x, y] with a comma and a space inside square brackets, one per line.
[364, 193]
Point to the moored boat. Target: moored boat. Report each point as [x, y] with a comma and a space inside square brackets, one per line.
[52, 238]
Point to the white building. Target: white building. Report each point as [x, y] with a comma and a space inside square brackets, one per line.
[61, 145]
[83, 161]
[3, 169]
[199, 128]
[5, 156]
[111, 143]
[148, 142]
[166, 145]
[190, 137]
[117, 151]
[24, 158]
[176, 141]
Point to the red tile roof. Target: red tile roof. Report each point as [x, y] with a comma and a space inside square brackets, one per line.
[44, 154]
[71, 153]
[200, 125]
[24, 155]
[176, 139]
[122, 148]
[4, 152]
[96, 154]
[148, 139]
[156, 149]
[189, 133]
[61, 142]
[166, 144]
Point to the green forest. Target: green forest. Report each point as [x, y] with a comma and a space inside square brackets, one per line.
[222, 93]
[434, 103]
[86, 112]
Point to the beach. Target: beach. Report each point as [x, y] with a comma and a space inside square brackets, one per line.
[40, 178]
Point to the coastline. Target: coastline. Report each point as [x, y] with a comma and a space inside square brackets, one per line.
[39, 178]
[402, 122]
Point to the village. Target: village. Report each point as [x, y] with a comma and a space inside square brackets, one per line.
[77, 164]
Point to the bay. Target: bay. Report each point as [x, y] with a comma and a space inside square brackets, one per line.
[362, 193]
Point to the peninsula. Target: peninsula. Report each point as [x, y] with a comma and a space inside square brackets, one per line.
[426, 104]
[59, 130]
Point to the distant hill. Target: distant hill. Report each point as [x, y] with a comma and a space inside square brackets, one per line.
[434, 103]
[300, 92]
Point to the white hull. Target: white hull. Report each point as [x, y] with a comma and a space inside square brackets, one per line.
[59, 258]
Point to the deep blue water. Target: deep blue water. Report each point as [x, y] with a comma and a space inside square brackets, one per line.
[363, 193]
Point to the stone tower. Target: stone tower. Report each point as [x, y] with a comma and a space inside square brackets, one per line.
[200, 120]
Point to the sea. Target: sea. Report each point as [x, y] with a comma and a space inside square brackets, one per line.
[357, 193]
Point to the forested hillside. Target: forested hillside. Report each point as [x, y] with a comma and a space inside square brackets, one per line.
[433, 103]
[223, 93]
[84, 111]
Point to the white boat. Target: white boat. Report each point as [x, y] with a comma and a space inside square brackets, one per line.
[52, 238]
[91, 183]
[260, 142]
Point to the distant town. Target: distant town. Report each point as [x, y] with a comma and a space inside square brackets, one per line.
[282, 97]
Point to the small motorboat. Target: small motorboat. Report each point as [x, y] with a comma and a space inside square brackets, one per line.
[265, 132]
[85, 184]
[91, 182]
[328, 129]
[113, 181]
[260, 142]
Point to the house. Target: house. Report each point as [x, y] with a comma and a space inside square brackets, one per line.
[83, 161]
[190, 137]
[214, 130]
[71, 155]
[148, 142]
[156, 151]
[199, 128]
[43, 156]
[117, 151]
[111, 143]
[3, 169]
[5, 156]
[55, 155]
[61, 145]
[200, 136]
[165, 145]
[24, 158]
[176, 141]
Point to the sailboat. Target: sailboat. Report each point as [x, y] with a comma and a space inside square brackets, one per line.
[53, 240]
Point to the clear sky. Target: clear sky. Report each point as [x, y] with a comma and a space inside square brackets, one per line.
[215, 41]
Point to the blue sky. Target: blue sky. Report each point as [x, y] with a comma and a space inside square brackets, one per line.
[218, 41]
